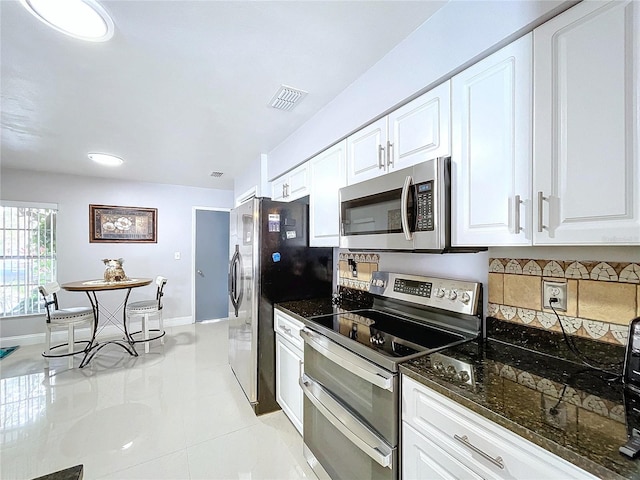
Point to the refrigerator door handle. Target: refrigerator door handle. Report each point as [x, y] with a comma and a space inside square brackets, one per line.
[233, 280]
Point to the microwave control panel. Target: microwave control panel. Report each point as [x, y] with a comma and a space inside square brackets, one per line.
[424, 207]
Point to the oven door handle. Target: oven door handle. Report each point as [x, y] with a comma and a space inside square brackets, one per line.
[404, 208]
[349, 361]
[357, 433]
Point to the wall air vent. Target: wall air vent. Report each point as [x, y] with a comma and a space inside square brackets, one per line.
[286, 98]
[216, 174]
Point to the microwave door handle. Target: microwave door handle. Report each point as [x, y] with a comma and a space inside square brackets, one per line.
[404, 208]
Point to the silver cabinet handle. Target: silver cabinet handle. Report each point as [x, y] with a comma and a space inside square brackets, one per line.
[498, 461]
[357, 433]
[380, 155]
[349, 361]
[389, 153]
[516, 221]
[541, 198]
[404, 210]
[286, 330]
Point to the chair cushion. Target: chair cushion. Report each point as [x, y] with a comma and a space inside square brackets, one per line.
[144, 306]
[72, 315]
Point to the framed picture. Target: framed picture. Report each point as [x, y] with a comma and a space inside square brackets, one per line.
[113, 224]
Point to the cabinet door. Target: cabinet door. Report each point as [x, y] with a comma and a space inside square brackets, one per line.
[328, 173]
[419, 130]
[278, 188]
[298, 183]
[492, 145]
[366, 152]
[288, 372]
[422, 459]
[586, 166]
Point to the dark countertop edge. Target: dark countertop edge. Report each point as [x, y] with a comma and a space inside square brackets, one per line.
[457, 396]
[289, 312]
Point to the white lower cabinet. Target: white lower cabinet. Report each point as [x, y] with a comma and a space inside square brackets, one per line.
[289, 366]
[442, 439]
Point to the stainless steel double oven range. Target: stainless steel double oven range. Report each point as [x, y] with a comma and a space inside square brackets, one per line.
[350, 381]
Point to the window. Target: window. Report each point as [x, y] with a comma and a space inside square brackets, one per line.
[28, 246]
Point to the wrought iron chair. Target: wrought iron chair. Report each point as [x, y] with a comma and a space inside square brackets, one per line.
[68, 318]
[147, 309]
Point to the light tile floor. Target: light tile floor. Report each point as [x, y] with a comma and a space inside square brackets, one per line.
[174, 413]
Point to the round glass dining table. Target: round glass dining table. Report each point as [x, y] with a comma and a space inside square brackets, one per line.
[91, 288]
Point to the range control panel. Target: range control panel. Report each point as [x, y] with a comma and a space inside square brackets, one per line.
[412, 287]
[444, 293]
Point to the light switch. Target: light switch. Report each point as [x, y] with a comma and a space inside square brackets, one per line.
[176, 255]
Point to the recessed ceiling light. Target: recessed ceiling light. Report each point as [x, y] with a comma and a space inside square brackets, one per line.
[83, 19]
[106, 159]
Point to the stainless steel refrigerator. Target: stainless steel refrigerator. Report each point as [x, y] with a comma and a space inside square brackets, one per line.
[270, 261]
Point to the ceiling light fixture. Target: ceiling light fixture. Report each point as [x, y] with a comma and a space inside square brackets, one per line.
[83, 19]
[106, 159]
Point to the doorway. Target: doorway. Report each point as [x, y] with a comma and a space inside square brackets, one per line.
[211, 264]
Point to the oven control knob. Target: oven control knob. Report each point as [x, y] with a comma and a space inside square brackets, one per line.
[439, 292]
[452, 295]
[438, 366]
[451, 371]
[463, 376]
[465, 297]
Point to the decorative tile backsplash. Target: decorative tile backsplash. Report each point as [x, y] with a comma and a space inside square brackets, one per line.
[602, 297]
[355, 269]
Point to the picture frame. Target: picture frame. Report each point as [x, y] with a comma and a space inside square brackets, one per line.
[116, 224]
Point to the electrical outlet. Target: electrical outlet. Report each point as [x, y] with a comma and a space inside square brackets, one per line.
[557, 290]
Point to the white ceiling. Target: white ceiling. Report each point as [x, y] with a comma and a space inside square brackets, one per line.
[182, 89]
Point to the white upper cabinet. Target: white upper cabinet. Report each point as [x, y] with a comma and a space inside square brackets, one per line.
[586, 166]
[328, 173]
[292, 185]
[366, 152]
[413, 133]
[491, 149]
[419, 130]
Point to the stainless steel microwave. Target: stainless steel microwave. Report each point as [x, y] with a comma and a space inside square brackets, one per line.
[408, 209]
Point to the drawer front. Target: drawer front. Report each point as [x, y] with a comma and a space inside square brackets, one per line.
[487, 448]
[289, 328]
[422, 458]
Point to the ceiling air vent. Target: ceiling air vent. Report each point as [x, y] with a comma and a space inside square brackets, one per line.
[286, 98]
[216, 174]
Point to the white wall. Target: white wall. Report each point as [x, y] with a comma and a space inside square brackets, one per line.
[255, 177]
[80, 260]
[457, 35]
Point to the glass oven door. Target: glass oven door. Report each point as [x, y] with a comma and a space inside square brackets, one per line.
[367, 390]
[339, 442]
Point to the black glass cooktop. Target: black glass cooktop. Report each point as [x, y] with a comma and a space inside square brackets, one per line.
[387, 334]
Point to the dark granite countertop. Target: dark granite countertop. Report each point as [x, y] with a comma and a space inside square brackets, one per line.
[314, 307]
[569, 409]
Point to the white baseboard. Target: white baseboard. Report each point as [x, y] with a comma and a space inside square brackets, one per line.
[58, 336]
